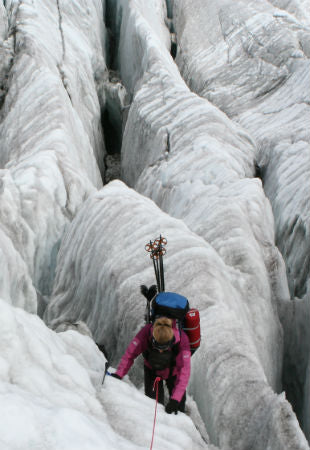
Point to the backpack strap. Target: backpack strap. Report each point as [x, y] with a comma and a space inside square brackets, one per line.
[147, 351]
[174, 351]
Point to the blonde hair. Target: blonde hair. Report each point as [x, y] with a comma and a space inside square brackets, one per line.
[162, 330]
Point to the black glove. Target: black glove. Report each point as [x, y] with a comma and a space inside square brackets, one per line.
[172, 406]
[114, 375]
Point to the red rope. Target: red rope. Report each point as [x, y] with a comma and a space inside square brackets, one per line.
[155, 386]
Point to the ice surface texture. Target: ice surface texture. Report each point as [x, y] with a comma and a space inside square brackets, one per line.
[260, 77]
[101, 264]
[50, 137]
[190, 145]
[52, 395]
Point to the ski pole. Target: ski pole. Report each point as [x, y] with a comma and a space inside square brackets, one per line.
[155, 263]
[161, 242]
[157, 250]
[162, 273]
[151, 248]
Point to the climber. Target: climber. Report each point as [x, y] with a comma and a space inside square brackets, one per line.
[166, 354]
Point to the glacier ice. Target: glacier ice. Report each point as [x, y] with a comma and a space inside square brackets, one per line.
[50, 133]
[101, 264]
[234, 100]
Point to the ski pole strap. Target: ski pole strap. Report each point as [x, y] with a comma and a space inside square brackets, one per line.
[155, 387]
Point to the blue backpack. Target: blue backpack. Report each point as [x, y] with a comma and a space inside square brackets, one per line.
[174, 306]
[169, 304]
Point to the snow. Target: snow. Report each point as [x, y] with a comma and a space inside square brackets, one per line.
[206, 178]
[298, 8]
[137, 51]
[3, 21]
[256, 48]
[52, 395]
[189, 148]
[51, 142]
[261, 80]
[285, 134]
[14, 278]
[97, 280]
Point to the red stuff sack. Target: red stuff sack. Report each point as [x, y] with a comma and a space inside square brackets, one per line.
[192, 328]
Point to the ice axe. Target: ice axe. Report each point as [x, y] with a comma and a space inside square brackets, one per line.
[106, 366]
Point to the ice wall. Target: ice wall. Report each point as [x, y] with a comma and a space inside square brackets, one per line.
[196, 164]
[101, 264]
[252, 61]
[50, 132]
[205, 178]
[52, 395]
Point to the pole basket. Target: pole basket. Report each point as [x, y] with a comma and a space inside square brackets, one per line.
[157, 250]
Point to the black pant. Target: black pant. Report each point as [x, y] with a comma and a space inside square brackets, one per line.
[149, 378]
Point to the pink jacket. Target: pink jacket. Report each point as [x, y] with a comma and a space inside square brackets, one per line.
[182, 368]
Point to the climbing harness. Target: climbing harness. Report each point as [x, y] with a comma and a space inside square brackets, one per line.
[155, 387]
